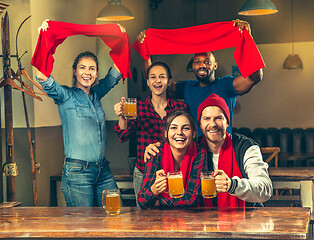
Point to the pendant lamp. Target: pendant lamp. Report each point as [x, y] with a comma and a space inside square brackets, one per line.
[293, 61]
[115, 11]
[257, 8]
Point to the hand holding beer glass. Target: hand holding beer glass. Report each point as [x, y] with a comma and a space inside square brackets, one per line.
[130, 108]
[208, 184]
[175, 184]
[111, 201]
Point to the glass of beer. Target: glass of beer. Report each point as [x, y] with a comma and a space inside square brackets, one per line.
[111, 201]
[175, 184]
[130, 108]
[208, 184]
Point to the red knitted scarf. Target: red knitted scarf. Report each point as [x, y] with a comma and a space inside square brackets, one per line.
[228, 163]
[167, 163]
[57, 32]
[203, 38]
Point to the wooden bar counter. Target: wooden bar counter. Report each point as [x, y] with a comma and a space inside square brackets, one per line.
[134, 223]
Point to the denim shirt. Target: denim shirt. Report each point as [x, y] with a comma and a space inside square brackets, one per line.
[82, 116]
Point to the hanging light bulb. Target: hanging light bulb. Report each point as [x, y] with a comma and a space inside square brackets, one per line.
[257, 7]
[293, 61]
[115, 11]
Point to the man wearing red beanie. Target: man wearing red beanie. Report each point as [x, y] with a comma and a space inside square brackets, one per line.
[240, 173]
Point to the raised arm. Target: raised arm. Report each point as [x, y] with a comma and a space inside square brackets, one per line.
[244, 85]
[40, 76]
[44, 27]
[53, 89]
[145, 64]
[122, 30]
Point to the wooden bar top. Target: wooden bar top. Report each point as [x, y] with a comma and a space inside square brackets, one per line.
[132, 223]
[295, 173]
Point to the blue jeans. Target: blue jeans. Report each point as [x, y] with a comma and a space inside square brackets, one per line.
[137, 182]
[83, 182]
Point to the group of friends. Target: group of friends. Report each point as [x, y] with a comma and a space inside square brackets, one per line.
[171, 135]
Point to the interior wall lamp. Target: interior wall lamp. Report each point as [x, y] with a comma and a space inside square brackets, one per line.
[293, 61]
[257, 8]
[115, 11]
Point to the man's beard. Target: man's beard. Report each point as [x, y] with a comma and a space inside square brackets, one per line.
[203, 79]
[215, 139]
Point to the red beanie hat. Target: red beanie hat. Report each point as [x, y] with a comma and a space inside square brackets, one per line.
[214, 100]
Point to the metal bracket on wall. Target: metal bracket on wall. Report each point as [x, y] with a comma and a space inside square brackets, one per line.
[10, 170]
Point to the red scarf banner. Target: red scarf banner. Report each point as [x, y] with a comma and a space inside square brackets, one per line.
[57, 32]
[203, 38]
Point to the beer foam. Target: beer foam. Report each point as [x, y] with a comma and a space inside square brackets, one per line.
[174, 176]
[113, 195]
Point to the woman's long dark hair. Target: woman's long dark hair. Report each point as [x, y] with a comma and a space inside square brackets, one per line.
[86, 54]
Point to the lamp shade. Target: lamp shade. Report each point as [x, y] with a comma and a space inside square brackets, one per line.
[257, 7]
[293, 61]
[115, 11]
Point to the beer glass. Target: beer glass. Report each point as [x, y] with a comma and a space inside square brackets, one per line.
[130, 108]
[111, 201]
[208, 185]
[175, 184]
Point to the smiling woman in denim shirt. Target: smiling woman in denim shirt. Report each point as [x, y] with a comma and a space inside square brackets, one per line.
[85, 172]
